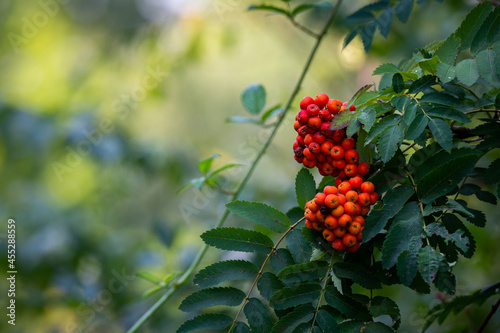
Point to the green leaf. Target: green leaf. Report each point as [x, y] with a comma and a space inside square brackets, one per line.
[299, 247]
[458, 237]
[309, 271]
[410, 112]
[280, 259]
[417, 126]
[384, 21]
[223, 168]
[379, 127]
[406, 224]
[486, 66]
[346, 305]
[254, 96]
[353, 127]
[149, 276]
[428, 65]
[467, 72]
[358, 273]
[350, 36]
[407, 261]
[225, 271]
[389, 141]
[451, 205]
[422, 84]
[385, 306]
[441, 98]
[260, 213]
[446, 72]
[448, 113]
[277, 109]
[243, 120]
[305, 187]
[210, 297]
[351, 326]
[207, 321]
[269, 8]
[241, 327]
[428, 263]
[493, 172]
[237, 239]
[472, 23]
[326, 181]
[258, 316]
[367, 117]
[480, 42]
[376, 327]
[295, 214]
[445, 280]
[448, 51]
[289, 297]
[386, 69]
[327, 321]
[269, 284]
[367, 35]
[442, 133]
[398, 83]
[393, 202]
[206, 164]
[442, 172]
[301, 8]
[151, 291]
[290, 321]
[403, 10]
[342, 120]
[453, 224]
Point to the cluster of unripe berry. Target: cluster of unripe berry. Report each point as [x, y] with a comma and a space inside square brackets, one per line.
[339, 210]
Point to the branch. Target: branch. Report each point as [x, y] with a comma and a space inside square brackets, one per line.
[323, 290]
[262, 270]
[494, 308]
[190, 271]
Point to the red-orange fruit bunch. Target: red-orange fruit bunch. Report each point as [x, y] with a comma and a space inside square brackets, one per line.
[339, 212]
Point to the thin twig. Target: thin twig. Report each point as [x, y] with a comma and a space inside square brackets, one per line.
[494, 308]
[259, 274]
[190, 270]
[323, 290]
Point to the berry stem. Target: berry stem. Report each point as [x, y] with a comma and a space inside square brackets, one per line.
[259, 274]
[191, 269]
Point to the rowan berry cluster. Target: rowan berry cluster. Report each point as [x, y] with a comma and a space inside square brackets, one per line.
[339, 210]
[316, 145]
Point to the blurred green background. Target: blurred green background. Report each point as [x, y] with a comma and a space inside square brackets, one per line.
[106, 107]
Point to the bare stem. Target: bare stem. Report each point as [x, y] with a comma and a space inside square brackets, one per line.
[323, 290]
[190, 270]
[262, 270]
[494, 308]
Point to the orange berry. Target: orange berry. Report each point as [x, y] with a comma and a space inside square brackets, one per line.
[359, 219]
[353, 248]
[328, 235]
[309, 224]
[356, 181]
[349, 240]
[342, 198]
[363, 168]
[338, 212]
[365, 211]
[359, 237]
[337, 152]
[348, 143]
[331, 222]
[338, 245]
[344, 187]
[351, 208]
[373, 198]
[354, 228]
[368, 187]
[311, 216]
[319, 199]
[351, 196]
[344, 220]
[330, 190]
[334, 106]
[350, 169]
[351, 155]
[339, 232]
[332, 201]
[320, 217]
[364, 199]
[318, 226]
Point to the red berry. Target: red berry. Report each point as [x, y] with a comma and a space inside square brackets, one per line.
[305, 102]
[321, 100]
[313, 110]
[302, 117]
[368, 187]
[319, 138]
[356, 181]
[351, 156]
[352, 108]
[334, 106]
[363, 168]
[315, 148]
[350, 170]
[373, 198]
[337, 152]
[344, 187]
[309, 163]
[348, 143]
[314, 122]
[325, 115]
[338, 135]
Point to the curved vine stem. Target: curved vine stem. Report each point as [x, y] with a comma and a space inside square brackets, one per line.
[191, 269]
[259, 274]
